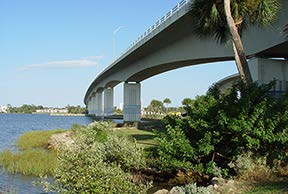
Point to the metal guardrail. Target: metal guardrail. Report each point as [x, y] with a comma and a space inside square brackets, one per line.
[154, 26]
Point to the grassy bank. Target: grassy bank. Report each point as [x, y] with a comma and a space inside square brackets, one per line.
[33, 157]
[35, 139]
[143, 137]
[29, 162]
[268, 187]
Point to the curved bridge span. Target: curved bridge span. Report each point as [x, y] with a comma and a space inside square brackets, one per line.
[170, 44]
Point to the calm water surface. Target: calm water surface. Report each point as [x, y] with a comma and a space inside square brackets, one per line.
[14, 125]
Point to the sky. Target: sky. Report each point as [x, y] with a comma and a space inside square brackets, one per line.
[51, 50]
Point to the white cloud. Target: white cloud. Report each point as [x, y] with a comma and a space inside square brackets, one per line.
[94, 57]
[66, 64]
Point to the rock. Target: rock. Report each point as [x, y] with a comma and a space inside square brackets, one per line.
[218, 181]
[63, 139]
[221, 185]
[215, 186]
[163, 191]
[231, 182]
[174, 190]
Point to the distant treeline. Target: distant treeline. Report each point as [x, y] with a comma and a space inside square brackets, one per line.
[29, 109]
[24, 109]
[76, 109]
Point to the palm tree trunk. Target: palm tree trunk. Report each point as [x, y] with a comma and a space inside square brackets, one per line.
[240, 56]
[238, 62]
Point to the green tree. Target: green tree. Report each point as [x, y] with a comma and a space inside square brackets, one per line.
[220, 127]
[227, 19]
[187, 101]
[156, 107]
[167, 101]
[76, 109]
[24, 109]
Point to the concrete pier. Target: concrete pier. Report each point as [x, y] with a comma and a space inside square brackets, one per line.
[108, 101]
[98, 104]
[132, 102]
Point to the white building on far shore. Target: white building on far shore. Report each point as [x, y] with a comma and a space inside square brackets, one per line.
[52, 110]
[3, 109]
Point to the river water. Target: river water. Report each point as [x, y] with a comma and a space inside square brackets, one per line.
[14, 125]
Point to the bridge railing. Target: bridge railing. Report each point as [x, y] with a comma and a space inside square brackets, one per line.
[173, 11]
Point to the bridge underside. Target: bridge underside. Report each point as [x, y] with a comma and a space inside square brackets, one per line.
[278, 51]
[174, 45]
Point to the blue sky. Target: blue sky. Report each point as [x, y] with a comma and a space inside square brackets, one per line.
[51, 50]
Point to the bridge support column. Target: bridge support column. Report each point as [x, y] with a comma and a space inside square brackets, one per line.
[92, 104]
[108, 101]
[132, 102]
[89, 106]
[98, 104]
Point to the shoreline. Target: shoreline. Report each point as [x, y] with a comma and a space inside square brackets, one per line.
[67, 114]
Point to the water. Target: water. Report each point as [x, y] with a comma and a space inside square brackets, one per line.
[14, 125]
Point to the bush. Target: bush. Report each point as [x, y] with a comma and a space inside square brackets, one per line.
[219, 127]
[174, 149]
[192, 188]
[250, 168]
[126, 153]
[95, 132]
[98, 167]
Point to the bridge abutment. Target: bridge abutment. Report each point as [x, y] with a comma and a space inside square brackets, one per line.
[132, 102]
[108, 101]
[265, 70]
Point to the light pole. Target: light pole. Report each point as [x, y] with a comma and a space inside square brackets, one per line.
[114, 33]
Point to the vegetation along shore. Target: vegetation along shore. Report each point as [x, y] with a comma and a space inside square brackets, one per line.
[228, 142]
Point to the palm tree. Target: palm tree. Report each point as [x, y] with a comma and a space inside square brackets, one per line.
[167, 101]
[227, 19]
[156, 106]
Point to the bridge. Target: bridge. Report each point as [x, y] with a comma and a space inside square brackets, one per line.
[170, 44]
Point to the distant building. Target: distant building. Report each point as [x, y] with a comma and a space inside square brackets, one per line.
[3, 109]
[52, 110]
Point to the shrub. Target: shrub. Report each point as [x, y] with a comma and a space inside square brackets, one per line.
[98, 167]
[126, 153]
[95, 132]
[174, 149]
[250, 168]
[219, 127]
[192, 188]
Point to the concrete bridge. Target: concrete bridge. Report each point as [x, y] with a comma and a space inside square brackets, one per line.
[170, 44]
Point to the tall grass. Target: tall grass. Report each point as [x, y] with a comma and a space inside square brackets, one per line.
[30, 162]
[4, 189]
[35, 139]
[33, 158]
